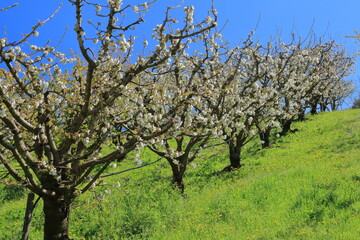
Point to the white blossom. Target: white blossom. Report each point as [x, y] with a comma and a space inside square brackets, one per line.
[136, 9]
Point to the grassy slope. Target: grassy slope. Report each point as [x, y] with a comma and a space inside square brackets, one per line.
[305, 188]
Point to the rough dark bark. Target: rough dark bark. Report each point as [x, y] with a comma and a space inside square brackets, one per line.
[28, 216]
[235, 156]
[56, 210]
[301, 116]
[178, 167]
[178, 171]
[286, 127]
[265, 138]
[323, 107]
[334, 105]
[313, 109]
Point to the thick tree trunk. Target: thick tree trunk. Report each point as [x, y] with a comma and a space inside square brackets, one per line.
[301, 116]
[286, 126]
[323, 107]
[178, 180]
[235, 156]
[333, 105]
[265, 138]
[56, 210]
[313, 109]
[178, 171]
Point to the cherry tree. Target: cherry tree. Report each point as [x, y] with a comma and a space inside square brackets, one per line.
[271, 85]
[274, 63]
[332, 88]
[57, 112]
[308, 74]
[196, 75]
[243, 101]
[337, 94]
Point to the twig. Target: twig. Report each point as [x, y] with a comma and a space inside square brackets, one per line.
[7, 8]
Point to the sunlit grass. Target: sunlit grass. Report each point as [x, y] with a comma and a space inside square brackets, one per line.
[307, 186]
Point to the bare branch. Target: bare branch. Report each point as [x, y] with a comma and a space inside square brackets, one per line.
[7, 8]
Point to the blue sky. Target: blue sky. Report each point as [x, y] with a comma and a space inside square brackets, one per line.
[329, 19]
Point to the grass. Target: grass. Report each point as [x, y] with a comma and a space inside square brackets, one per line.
[306, 187]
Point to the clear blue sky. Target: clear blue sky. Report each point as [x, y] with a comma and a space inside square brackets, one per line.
[332, 19]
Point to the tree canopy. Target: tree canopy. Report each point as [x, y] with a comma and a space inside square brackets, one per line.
[59, 111]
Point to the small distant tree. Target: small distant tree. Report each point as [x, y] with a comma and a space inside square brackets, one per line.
[356, 104]
[331, 90]
[57, 112]
[309, 77]
[246, 100]
[271, 86]
[336, 95]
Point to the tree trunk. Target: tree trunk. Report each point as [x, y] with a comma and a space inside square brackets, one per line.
[265, 138]
[286, 126]
[301, 116]
[178, 171]
[313, 109]
[28, 216]
[56, 210]
[235, 156]
[323, 107]
[334, 105]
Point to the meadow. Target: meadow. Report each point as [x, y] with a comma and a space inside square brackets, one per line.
[306, 186]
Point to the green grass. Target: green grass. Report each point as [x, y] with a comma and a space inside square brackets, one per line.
[306, 187]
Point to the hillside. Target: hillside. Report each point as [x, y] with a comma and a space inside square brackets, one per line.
[307, 186]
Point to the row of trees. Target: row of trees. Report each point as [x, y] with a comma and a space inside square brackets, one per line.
[58, 112]
[249, 90]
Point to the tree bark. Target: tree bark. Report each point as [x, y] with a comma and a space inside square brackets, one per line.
[323, 107]
[301, 116]
[265, 137]
[28, 216]
[56, 210]
[178, 171]
[286, 126]
[334, 105]
[235, 156]
[313, 109]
